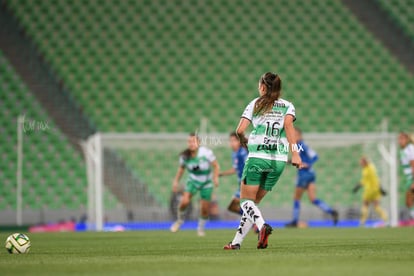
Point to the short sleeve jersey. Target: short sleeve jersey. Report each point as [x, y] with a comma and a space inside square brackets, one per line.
[268, 138]
[199, 167]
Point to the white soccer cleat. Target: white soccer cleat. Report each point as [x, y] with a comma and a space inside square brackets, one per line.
[176, 226]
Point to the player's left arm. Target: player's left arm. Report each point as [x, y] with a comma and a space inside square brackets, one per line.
[216, 171]
[291, 137]
[178, 175]
[313, 155]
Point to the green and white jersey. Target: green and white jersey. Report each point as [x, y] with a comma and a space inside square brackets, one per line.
[199, 167]
[407, 155]
[268, 138]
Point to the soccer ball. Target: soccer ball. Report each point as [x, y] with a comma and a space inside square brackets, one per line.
[18, 244]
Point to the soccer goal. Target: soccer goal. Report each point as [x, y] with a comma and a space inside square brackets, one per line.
[130, 174]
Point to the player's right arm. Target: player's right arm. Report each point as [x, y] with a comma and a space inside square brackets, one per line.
[356, 188]
[361, 182]
[364, 177]
[241, 129]
[245, 120]
[177, 178]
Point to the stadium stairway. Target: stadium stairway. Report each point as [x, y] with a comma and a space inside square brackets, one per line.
[53, 174]
[389, 22]
[402, 13]
[46, 86]
[51, 92]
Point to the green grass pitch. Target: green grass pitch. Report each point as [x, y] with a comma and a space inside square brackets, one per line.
[291, 252]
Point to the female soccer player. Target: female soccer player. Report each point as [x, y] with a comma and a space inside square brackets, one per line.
[306, 182]
[407, 162]
[203, 172]
[269, 144]
[239, 157]
[372, 191]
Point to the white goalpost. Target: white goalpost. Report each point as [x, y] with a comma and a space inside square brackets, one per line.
[129, 174]
[136, 170]
[93, 158]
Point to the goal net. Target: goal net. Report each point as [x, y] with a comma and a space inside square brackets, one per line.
[130, 176]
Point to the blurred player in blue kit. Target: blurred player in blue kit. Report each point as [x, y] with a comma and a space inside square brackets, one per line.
[306, 182]
[238, 156]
